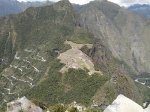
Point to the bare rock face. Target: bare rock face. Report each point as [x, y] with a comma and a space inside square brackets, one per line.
[124, 33]
[124, 104]
[23, 105]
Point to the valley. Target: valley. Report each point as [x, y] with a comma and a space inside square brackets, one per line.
[143, 81]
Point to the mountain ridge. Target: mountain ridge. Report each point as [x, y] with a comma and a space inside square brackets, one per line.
[8, 7]
[142, 9]
[118, 24]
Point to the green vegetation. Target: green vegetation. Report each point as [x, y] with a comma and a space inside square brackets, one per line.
[90, 84]
[57, 108]
[144, 91]
[40, 104]
[85, 49]
[1, 109]
[43, 30]
[94, 110]
[66, 88]
[73, 109]
[48, 29]
[7, 51]
[81, 36]
[38, 35]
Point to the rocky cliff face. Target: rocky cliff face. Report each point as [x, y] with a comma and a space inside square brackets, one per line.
[23, 105]
[126, 34]
[124, 104]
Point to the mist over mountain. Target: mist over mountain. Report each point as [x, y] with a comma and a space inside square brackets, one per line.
[141, 9]
[74, 55]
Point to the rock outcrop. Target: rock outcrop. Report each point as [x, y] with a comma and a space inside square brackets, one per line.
[22, 105]
[124, 104]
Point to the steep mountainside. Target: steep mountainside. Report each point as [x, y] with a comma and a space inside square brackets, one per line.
[35, 60]
[14, 7]
[124, 33]
[141, 9]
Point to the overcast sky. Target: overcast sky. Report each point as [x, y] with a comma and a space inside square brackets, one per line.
[120, 2]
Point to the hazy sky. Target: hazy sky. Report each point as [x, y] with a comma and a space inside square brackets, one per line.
[120, 2]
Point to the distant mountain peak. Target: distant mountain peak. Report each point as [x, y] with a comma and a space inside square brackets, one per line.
[63, 5]
[139, 6]
[65, 1]
[143, 9]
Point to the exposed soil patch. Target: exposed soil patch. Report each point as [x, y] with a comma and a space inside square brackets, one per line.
[75, 58]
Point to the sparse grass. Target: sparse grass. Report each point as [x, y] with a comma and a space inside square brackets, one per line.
[82, 63]
[81, 36]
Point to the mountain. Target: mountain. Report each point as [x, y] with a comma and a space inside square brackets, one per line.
[143, 9]
[52, 56]
[24, 5]
[77, 7]
[123, 32]
[9, 7]
[14, 7]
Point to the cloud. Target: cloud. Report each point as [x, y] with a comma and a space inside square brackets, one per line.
[80, 1]
[119, 2]
[130, 2]
[72, 1]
